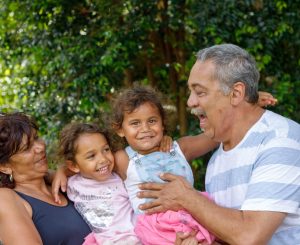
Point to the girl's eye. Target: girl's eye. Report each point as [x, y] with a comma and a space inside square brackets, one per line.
[152, 121]
[90, 156]
[134, 123]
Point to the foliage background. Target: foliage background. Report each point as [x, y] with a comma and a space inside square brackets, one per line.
[63, 60]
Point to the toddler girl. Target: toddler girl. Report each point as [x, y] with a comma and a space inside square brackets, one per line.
[98, 193]
[139, 117]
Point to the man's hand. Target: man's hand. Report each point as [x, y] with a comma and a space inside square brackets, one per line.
[168, 196]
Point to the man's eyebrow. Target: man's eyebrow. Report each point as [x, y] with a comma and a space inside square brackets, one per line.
[197, 85]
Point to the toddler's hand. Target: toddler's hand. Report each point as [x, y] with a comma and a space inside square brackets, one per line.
[166, 144]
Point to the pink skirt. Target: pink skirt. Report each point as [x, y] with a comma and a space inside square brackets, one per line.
[161, 228]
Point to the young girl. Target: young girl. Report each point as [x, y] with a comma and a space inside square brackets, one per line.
[139, 117]
[98, 193]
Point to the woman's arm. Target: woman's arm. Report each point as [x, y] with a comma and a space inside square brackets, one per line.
[15, 221]
[196, 146]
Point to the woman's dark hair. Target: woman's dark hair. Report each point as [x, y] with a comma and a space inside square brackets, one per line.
[70, 134]
[13, 128]
[130, 99]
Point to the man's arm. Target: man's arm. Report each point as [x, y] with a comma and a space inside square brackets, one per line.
[15, 222]
[230, 225]
[196, 146]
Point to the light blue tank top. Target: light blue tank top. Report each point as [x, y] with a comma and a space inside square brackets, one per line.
[146, 168]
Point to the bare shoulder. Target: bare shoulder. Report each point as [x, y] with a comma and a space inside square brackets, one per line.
[9, 199]
[15, 218]
[7, 195]
[121, 163]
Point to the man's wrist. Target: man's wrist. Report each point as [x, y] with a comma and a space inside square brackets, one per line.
[185, 200]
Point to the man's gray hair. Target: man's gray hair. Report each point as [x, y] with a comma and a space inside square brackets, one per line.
[233, 64]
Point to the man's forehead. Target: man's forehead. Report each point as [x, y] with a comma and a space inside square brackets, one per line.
[201, 72]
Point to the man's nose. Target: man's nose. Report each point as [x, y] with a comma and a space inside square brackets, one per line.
[192, 100]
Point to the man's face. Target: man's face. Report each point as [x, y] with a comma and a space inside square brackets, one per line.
[208, 102]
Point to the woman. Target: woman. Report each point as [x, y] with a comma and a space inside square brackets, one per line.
[28, 214]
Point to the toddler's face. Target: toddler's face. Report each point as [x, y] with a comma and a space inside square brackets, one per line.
[94, 158]
[143, 128]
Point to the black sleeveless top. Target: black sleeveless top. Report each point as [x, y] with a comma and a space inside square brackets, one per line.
[57, 225]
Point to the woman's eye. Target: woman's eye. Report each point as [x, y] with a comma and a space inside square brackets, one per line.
[107, 149]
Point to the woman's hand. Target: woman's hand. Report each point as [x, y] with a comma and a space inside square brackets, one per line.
[266, 99]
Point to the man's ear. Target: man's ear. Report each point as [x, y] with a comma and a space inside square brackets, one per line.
[72, 166]
[6, 169]
[237, 94]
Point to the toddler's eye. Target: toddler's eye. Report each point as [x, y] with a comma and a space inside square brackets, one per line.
[152, 121]
[134, 123]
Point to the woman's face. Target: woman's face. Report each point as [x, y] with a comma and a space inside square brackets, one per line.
[30, 161]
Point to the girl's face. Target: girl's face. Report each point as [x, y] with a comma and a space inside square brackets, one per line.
[94, 159]
[143, 128]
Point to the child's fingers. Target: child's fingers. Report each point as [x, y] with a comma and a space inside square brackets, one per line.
[166, 144]
[180, 236]
[63, 186]
[55, 191]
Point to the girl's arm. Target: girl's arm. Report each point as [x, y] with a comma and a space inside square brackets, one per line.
[121, 163]
[59, 181]
[196, 146]
[15, 222]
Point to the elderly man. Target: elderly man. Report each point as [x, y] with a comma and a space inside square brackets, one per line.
[254, 176]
